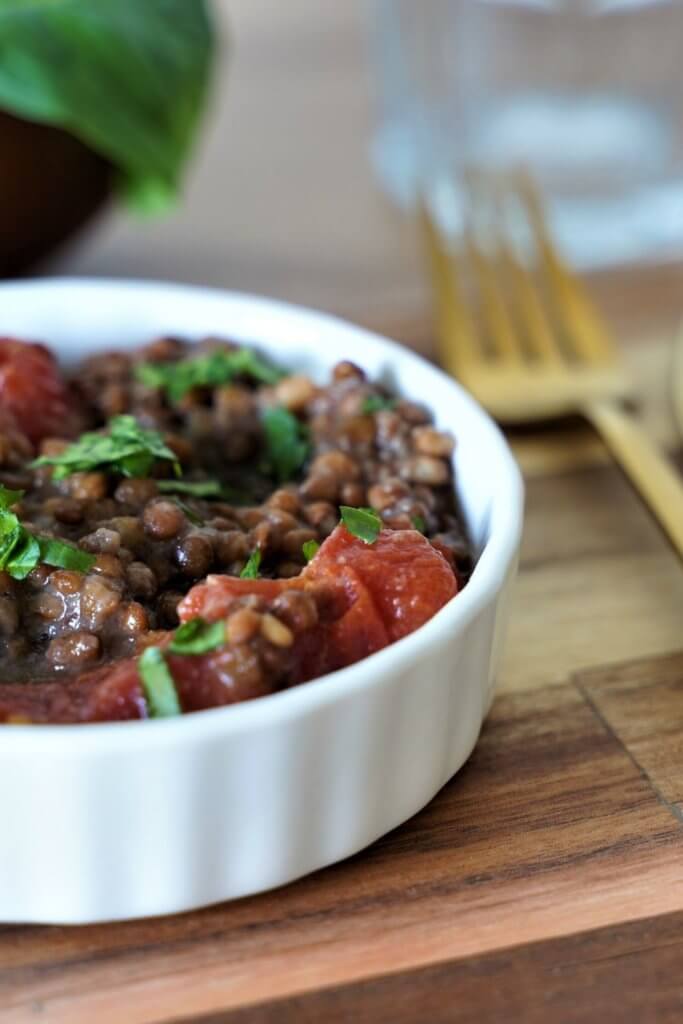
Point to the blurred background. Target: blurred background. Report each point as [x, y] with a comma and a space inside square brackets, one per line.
[323, 119]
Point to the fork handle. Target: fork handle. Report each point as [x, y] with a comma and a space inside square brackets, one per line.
[651, 472]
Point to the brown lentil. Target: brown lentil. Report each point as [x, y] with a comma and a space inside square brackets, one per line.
[163, 519]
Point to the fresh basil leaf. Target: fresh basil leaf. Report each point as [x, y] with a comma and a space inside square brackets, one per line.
[128, 78]
[310, 548]
[124, 447]
[24, 557]
[158, 685]
[377, 403]
[64, 556]
[286, 444]
[250, 571]
[197, 637]
[210, 369]
[21, 551]
[10, 534]
[8, 497]
[363, 523]
[419, 523]
[196, 488]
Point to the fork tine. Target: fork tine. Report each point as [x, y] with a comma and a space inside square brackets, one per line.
[538, 331]
[458, 344]
[587, 334]
[500, 327]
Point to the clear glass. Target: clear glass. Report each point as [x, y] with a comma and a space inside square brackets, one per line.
[587, 94]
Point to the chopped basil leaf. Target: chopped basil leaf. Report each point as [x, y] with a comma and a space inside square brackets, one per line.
[419, 523]
[363, 523]
[198, 637]
[8, 498]
[158, 685]
[197, 488]
[10, 533]
[310, 549]
[210, 369]
[203, 489]
[24, 556]
[286, 444]
[64, 556]
[125, 447]
[377, 403]
[250, 571]
[20, 551]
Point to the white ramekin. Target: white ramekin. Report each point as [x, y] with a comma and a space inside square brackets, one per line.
[123, 820]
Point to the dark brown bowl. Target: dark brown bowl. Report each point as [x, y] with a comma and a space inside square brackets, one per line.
[50, 186]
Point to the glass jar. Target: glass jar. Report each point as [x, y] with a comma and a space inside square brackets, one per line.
[587, 94]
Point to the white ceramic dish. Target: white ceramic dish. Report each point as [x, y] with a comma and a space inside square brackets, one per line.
[124, 820]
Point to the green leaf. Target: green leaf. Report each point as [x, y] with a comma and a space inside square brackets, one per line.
[376, 403]
[125, 447]
[207, 370]
[127, 77]
[419, 523]
[310, 548]
[20, 551]
[363, 523]
[198, 637]
[286, 444]
[158, 685]
[9, 498]
[24, 557]
[250, 571]
[64, 556]
[10, 534]
[196, 489]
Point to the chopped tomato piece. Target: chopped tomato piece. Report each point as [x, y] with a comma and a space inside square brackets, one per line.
[33, 391]
[407, 578]
[391, 588]
[110, 693]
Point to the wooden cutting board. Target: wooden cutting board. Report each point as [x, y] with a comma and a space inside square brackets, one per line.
[545, 882]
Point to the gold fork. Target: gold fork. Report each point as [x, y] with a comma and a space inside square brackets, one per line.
[518, 330]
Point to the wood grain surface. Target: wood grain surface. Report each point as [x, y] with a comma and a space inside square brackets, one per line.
[544, 882]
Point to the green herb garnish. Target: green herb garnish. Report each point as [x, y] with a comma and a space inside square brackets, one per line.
[158, 685]
[286, 443]
[125, 447]
[196, 489]
[250, 571]
[24, 555]
[20, 551]
[419, 523]
[197, 637]
[126, 77]
[64, 556]
[377, 403]
[210, 369]
[202, 489]
[8, 497]
[363, 523]
[310, 548]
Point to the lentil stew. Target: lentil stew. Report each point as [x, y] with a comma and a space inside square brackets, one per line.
[197, 483]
